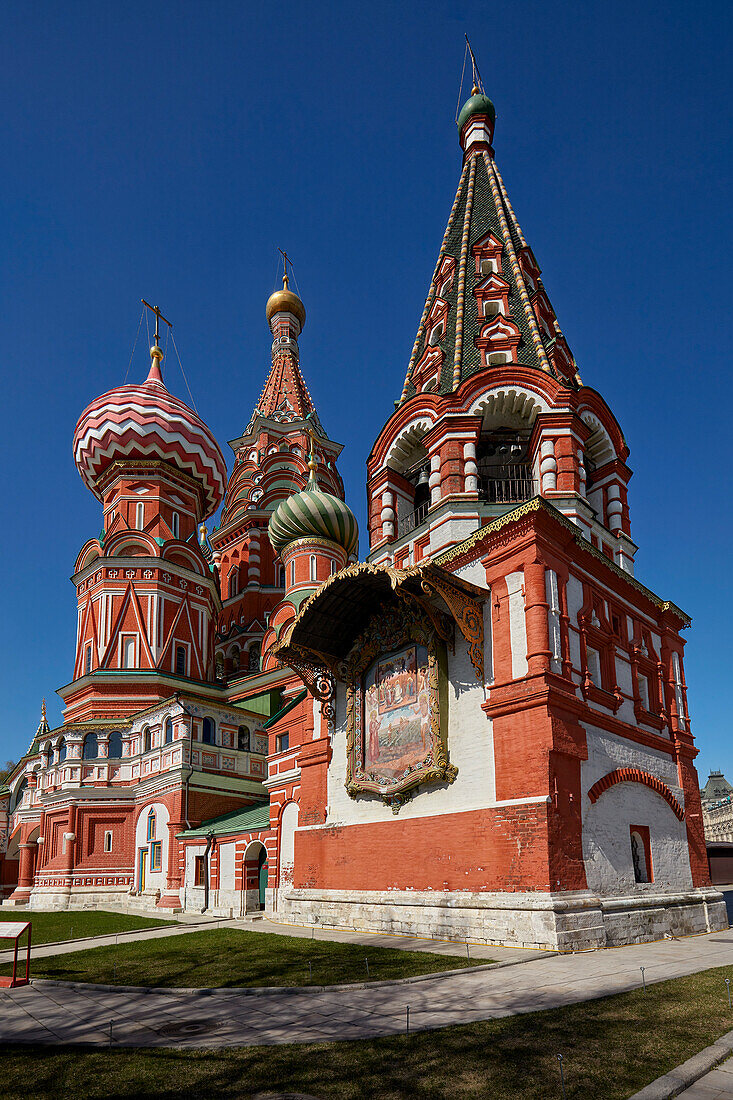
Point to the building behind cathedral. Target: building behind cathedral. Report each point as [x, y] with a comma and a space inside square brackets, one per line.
[478, 730]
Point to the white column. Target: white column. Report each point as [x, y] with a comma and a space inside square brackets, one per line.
[470, 469]
[434, 478]
[615, 508]
[253, 575]
[548, 466]
[387, 515]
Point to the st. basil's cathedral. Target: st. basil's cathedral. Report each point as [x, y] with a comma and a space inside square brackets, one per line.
[480, 731]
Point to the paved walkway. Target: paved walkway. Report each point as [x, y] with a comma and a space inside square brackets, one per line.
[715, 1085]
[46, 1012]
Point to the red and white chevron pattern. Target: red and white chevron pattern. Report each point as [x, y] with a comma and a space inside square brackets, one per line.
[146, 421]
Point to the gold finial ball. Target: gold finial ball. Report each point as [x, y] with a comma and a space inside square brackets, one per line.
[284, 301]
[156, 352]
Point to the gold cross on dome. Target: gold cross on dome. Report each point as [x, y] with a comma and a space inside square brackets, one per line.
[158, 317]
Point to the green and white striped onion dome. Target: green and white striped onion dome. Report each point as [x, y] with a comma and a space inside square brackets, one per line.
[313, 514]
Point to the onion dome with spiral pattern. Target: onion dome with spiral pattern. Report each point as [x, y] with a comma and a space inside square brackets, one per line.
[310, 514]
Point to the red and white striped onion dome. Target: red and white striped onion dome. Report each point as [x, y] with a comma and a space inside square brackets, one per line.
[145, 421]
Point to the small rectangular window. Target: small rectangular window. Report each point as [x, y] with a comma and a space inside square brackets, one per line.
[180, 660]
[140, 515]
[108, 841]
[314, 568]
[292, 574]
[643, 691]
[128, 651]
[156, 856]
[88, 659]
[282, 742]
[486, 267]
[175, 525]
[199, 871]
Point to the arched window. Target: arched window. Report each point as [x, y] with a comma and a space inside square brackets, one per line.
[208, 731]
[180, 660]
[114, 745]
[62, 749]
[147, 739]
[175, 520]
[90, 751]
[254, 657]
[233, 581]
[313, 567]
[243, 738]
[168, 731]
[140, 516]
[151, 824]
[235, 658]
[292, 574]
[281, 577]
[21, 789]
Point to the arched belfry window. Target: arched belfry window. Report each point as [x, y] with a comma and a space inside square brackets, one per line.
[504, 470]
[140, 516]
[168, 731]
[313, 567]
[114, 745]
[175, 524]
[147, 739]
[243, 739]
[90, 750]
[62, 749]
[208, 731]
[254, 657]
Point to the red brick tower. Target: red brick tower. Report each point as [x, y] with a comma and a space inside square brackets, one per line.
[271, 463]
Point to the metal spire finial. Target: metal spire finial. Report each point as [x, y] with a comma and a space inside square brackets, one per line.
[478, 84]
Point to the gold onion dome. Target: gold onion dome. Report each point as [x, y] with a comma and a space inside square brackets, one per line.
[313, 514]
[284, 301]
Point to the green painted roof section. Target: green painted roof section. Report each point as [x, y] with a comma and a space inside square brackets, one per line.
[484, 220]
[286, 709]
[477, 105]
[236, 821]
[265, 703]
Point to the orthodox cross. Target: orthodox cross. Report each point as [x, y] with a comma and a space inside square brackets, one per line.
[286, 261]
[158, 317]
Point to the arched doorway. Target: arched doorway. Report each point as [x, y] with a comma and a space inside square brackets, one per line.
[254, 877]
[262, 878]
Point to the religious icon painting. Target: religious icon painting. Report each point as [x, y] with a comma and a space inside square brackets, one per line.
[396, 710]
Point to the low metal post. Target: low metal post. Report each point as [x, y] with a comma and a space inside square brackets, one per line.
[367, 966]
[727, 986]
[468, 957]
[562, 1077]
[643, 979]
[310, 969]
[407, 1022]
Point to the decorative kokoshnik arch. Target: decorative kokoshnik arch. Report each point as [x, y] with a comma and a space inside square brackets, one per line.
[636, 775]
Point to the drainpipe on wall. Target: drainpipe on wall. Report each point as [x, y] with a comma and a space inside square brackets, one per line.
[190, 755]
[209, 844]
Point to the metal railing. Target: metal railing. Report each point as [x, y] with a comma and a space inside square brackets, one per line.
[512, 485]
[408, 523]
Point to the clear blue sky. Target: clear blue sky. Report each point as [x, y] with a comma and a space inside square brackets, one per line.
[166, 151]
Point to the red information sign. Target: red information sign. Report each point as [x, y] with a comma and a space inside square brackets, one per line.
[13, 931]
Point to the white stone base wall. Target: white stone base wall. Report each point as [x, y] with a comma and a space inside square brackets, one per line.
[84, 898]
[577, 921]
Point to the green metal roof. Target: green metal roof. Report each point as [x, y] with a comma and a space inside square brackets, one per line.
[246, 820]
[478, 104]
[286, 709]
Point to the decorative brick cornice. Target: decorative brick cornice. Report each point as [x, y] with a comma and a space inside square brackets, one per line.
[636, 775]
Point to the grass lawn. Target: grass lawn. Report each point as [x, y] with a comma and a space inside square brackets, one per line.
[233, 957]
[611, 1048]
[52, 927]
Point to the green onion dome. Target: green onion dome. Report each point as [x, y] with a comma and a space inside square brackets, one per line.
[313, 514]
[478, 104]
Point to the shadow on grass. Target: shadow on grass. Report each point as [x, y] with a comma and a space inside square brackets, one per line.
[611, 1048]
[232, 957]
